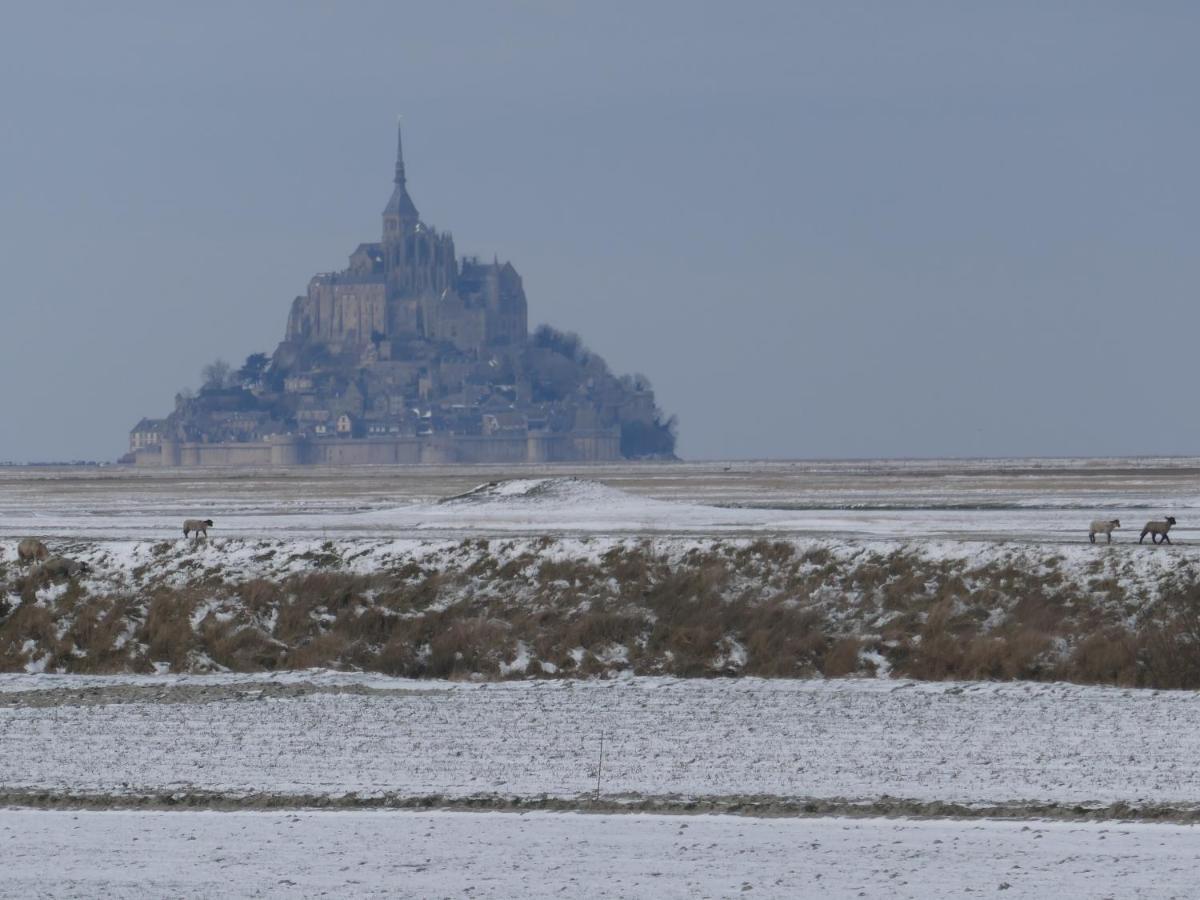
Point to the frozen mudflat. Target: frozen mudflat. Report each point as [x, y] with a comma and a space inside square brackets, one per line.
[304, 737]
[543, 855]
[1041, 500]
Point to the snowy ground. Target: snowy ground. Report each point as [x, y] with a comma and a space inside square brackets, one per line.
[277, 525]
[542, 855]
[136, 565]
[1012, 745]
[305, 738]
[1040, 500]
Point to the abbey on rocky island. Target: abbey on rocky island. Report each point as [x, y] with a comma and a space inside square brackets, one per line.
[411, 355]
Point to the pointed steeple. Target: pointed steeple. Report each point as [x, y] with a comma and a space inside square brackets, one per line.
[399, 155]
[401, 205]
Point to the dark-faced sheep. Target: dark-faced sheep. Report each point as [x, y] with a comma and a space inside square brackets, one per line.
[30, 550]
[1103, 526]
[197, 527]
[61, 567]
[1158, 530]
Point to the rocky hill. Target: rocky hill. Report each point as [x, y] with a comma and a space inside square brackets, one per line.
[422, 356]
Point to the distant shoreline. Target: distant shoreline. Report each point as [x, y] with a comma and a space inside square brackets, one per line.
[698, 461]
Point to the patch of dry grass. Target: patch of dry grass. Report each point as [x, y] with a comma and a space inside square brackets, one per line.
[758, 608]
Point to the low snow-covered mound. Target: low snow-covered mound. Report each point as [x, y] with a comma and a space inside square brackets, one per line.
[562, 504]
[555, 491]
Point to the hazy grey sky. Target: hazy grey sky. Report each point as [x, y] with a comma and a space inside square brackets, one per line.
[822, 229]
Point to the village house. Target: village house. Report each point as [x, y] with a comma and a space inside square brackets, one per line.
[146, 433]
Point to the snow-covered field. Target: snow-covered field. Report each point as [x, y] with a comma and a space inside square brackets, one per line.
[277, 745]
[775, 747]
[309, 736]
[1040, 500]
[544, 855]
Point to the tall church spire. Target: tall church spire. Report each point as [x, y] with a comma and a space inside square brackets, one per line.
[399, 154]
[400, 207]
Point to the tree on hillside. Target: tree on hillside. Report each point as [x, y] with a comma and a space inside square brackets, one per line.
[252, 370]
[216, 374]
[564, 343]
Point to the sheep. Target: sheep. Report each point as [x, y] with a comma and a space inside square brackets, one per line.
[197, 526]
[1103, 526]
[61, 567]
[31, 549]
[1158, 530]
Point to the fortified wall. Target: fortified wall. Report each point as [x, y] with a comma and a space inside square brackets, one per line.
[540, 447]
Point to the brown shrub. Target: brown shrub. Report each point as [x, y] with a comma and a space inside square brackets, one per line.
[333, 590]
[630, 567]
[305, 598]
[371, 625]
[28, 584]
[244, 649]
[1004, 657]
[27, 623]
[1104, 658]
[675, 593]
[842, 658]
[260, 596]
[1036, 611]
[694, 648]
[599, 628]
[939, 652]
[95, 630]
[412, 570]
[467, 647]
[297, 620]
[903, 590]
[935, 657]
[1170, 643]
[400, 657]
[781, 641]
[425, 593]
[325, 651]
[167, 631]
[516, 567]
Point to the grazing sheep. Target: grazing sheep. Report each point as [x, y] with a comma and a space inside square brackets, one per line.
[1158, 530]
[31, 549]
[197, 527]
[61, 567]
[1103, 526]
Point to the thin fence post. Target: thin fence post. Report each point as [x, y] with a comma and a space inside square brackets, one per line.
[600, 766]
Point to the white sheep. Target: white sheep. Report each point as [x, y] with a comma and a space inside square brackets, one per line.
[1103, 526]
[31, 549]
[197, 527]
[1158, 530]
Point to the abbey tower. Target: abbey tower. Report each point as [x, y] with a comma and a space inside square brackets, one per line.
[411, 285]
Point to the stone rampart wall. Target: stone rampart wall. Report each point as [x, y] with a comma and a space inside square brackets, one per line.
[600, 445]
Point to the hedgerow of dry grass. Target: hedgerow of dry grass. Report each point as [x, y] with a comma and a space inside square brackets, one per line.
[761, 608]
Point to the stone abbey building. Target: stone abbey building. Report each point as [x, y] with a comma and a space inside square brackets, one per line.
[410, 355]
